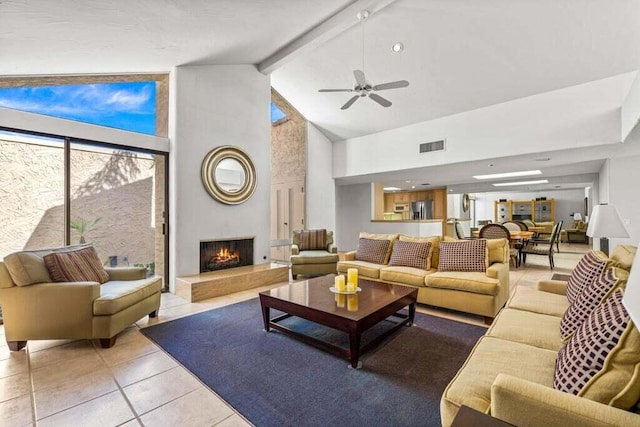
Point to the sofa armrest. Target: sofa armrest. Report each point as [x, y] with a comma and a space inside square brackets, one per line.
[350, 256]
[524, 403]
[295, 250]
[553, 286]
[332, 249]
[127, 273]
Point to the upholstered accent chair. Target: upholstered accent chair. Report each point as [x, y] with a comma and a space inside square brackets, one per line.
[313, 253]
[65, 293]
[577, 233]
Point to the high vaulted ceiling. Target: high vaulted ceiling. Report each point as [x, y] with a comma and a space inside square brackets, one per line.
[459, 56]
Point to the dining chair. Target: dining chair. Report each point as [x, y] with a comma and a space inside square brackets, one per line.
[539, 247]
[499, 231]
[460, 231]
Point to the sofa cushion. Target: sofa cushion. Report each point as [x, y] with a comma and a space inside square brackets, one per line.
[365, 269]
[27, 267]
[434, 255]
[601, 361]
[588, 269]
[468, 281]
[405, 275]
[516, 325]
[313, 240]
[589, 299]
[116, 295]
[390, 237]
[314, 257]
[80, 265]
[498, 250]
[490, 357]
[410, 254]
[623, 256]
[529, 299]
[372, 250]
[463, 255]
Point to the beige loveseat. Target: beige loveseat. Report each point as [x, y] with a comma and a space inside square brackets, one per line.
[480, 293]
[36, 308]
[510, 372]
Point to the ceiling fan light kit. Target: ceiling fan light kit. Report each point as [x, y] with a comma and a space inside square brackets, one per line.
[362, 88]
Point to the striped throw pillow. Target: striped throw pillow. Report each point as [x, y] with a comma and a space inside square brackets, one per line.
[372, 250]
[410, 254]
[589, 299]
[311, 240]
[82, 265]
[463, 255]
[588, 269]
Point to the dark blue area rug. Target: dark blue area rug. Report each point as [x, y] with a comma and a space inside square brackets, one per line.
[274, 380]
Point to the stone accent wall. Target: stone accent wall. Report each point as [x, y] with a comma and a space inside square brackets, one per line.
[288, 144]
[117, 187]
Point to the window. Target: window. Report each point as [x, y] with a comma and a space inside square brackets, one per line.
[277, 115]
[124, 105]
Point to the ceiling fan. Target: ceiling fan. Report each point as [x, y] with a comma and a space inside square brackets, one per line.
[362, 87]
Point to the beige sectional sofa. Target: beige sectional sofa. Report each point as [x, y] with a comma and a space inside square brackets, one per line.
[35, 307]
[510, 372]
[480, 293]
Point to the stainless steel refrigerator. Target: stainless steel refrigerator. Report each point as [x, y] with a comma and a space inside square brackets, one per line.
[422, 209]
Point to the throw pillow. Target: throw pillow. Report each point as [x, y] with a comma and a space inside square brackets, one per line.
[410, 254]
[601, 361]
[82, 265]
[463, 255]
[372, 250]
[313, 240]
[588, 269]
[589, 299]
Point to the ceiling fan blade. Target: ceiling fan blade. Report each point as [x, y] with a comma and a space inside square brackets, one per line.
[335, 90]
[350, 102]
[359, 75]
[380, 100]
[391, 85]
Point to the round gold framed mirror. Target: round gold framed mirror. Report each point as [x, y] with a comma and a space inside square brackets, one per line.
[465, 203]
[228, 175]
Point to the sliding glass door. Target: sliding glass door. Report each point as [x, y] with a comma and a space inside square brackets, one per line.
[59, 191]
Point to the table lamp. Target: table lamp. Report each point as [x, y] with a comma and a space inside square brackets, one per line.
[577, 216]
[631, 299]
[605, 222]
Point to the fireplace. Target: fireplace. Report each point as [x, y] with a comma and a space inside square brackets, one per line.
[228, 253]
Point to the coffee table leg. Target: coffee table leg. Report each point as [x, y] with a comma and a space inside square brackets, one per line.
[265, 317]
[354, 350]
[412, 313]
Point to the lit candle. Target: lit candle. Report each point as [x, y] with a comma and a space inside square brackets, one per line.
[352, 302]
[352, 275]
[351, 287]
[339, 283]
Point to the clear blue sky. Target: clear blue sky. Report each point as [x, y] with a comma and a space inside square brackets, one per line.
[276, 113]
[128, 106]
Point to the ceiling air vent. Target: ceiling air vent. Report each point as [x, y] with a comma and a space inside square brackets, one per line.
[432, 146]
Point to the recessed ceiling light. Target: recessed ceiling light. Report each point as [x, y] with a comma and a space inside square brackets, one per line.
[397, 47]
[391, 188]
[543, 159]
[508, 174]
[413, 186]
[408, 182]
[505, 184]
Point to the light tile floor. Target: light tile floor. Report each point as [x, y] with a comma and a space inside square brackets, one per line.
[62, 382]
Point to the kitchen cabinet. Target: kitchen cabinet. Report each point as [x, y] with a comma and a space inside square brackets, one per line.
[388, 203]
[401, 197]
[439, 204]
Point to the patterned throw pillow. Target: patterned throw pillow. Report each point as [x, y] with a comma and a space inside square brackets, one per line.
[313, 240]
[82, 265]
[589, 299]
[410, 254]
[372, 250]
[463, 255]
[602, 359]
[588, 269]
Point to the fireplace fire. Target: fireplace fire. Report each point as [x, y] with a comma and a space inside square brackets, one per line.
[222, 254]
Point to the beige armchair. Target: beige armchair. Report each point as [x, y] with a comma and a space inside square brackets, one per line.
[36, 308]
[313, 253]
[577, 233]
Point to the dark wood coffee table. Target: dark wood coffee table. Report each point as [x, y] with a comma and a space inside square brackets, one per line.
[312, 300]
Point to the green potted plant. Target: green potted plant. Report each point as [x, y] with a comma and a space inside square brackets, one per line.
[82, 227]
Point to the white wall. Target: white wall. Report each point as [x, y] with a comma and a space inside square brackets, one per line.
[213, 106]
[583, 115]
[321, 195]
[624, 176]
[566, 202]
